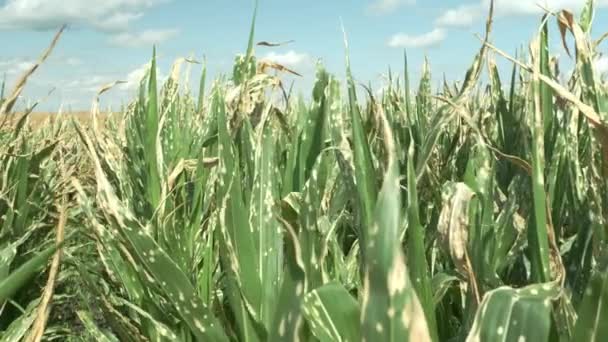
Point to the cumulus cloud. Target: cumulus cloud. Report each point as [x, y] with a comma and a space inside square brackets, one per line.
[522, 7]
[131, 80]
[93, 83]
[388, 6]
[601, 65]
[134, 78]
[108, 15]
[73, 61]
[290, 59]
[117, 22]
[88, 84]
[461, 16]
[143, 38]
[428, 39]
[467, 14]
[15, 66]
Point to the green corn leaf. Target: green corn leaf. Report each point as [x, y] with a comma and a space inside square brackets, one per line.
[175, 284]
[245, 144]
[312, 136]
[93, 330]
[289, 321]
[364, 169]
[18, 329]
[20, 124]
[509, 230]
[2, 88]
[593, 311]
[474, 72]
[587, 15]
[546, 93]
[161, 331]
[332, 314]
[110, 254]
[441, 283]
[266, 228]
[240, 258]
[437, 125]
[411, 112]
[537, 233]
[416, 255]
[201, 89]
[390, 308]
[311, 235]
[165, 273]
[8, 253]
[120, 326]
[151, 132]
[289, 182]
[479, 176]
[508, 314]
[424, 100]
[252, 31]
[20, 277]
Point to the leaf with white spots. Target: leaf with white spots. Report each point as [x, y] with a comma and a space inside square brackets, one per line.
[266, 230]
[20, 276]
[593, 311]
[453, 228]
[332, 314]
[508, 314]
[311, 234]
[390, 307]
[239, 258]
[312, 132]
[441, 283]
[93, 330]
[17, 330]
[416, 252]
[288, 320]
[365, 173]
[158, 268]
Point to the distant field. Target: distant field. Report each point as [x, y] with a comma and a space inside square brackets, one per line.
[39, 118]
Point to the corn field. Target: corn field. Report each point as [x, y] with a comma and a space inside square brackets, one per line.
[243, 212]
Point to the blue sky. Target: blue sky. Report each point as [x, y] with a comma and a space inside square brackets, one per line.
[113, 41]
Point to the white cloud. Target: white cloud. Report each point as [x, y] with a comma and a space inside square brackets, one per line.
[143, 38]
[134, 78]
[521, 7]
[73, 61]
[461, 16]
[428, 39]
[15, 66]
[387, 6]
[108, 15]
[88, 84]
[290, 59]
[467, 14]
[93, 83]
[601, 65]
[118, 22]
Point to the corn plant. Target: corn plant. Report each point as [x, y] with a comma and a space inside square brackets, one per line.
[472, 212]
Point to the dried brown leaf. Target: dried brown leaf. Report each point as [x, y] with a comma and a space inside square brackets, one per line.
[37, 330]
[269, 44]
[264, 64]
[564, 22]
[453, 229]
